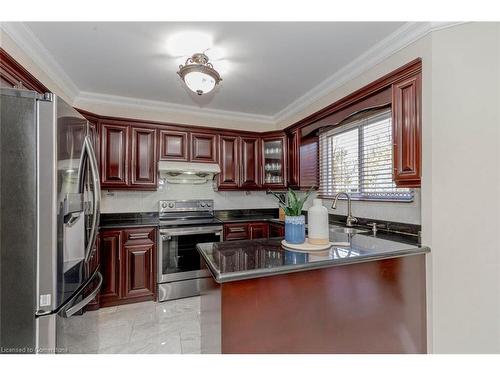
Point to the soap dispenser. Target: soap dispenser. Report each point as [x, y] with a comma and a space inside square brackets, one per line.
[317, 223]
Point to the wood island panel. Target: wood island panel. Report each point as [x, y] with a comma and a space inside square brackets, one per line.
[370, 307]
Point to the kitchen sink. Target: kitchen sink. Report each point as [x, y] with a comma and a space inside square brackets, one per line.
[348, 230]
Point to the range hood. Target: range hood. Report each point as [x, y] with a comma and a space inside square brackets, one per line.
[176, 172]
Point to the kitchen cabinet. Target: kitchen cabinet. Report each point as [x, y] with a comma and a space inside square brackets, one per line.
[303, 167]
[258, 230]
[236, 231]
[245, 231]
[143, 162]
[12, 74]
[203, 148]
[274, 162]
[239, 162]
[250, 163]
[127, 263]
[276, 230]
[229, 177]
[110, 259]
[406, 122]
[128, 157]
[114, 155]
[138, 253]
[174, 145]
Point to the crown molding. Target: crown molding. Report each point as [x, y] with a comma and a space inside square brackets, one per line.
[31, 45]
[404, 36]
[401, 38]
[85, 99]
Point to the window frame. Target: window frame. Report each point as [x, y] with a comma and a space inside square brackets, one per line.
[360, 125]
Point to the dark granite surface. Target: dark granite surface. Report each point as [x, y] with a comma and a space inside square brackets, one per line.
[128, 219]
[237, 216]
[240, 260]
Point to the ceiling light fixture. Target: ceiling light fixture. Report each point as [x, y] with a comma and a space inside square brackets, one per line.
[198, 74]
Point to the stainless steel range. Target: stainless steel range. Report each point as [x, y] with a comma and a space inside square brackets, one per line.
[183, 224]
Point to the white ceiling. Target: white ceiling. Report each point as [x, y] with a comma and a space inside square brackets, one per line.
[265, 66]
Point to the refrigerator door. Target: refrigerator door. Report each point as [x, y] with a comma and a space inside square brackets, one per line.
[75, 198]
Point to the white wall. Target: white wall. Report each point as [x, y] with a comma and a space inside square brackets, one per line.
[461, 201]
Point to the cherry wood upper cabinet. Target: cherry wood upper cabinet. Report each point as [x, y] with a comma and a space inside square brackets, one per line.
[229, 176]
[294, 159]
[143, 164]
[274, 161]
[406, 122]
[250, 163]
[114, 155]
[174, 145]
[12, 74]
[203, 148]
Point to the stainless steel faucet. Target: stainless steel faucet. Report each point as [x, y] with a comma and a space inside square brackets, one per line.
[350, 219]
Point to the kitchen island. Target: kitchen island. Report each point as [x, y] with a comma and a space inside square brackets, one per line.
[367, 297]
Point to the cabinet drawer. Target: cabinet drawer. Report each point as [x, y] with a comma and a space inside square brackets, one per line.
[139, 235]
[236, 232]
[276, 230]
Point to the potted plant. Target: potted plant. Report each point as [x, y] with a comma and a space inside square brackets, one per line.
[295, 222]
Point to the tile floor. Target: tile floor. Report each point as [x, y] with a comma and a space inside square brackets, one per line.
[171, 327]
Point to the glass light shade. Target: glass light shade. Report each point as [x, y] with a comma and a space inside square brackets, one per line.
[200, 83]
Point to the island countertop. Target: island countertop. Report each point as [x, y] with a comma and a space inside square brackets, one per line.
[248, 259]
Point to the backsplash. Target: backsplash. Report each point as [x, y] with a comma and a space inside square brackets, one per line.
[147, 201]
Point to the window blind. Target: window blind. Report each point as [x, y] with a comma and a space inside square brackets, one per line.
[357, 158]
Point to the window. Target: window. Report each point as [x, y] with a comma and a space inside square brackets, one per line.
[357, 158]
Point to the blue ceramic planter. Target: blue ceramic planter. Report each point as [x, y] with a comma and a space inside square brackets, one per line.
[295, 229]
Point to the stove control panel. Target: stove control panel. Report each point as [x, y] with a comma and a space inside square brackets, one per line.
[186, 205]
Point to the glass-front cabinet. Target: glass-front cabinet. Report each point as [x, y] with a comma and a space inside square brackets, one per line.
[274, 162]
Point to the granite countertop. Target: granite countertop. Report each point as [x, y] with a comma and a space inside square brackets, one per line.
[240, 260]
[240, 216]
[128, 220]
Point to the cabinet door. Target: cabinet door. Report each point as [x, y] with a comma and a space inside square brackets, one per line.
[174, 145]
[406, 123]
[138, 254]
[203, 148]
[110, 258]
[229, 163]
[276, 230]
[114, 155]
[294, 159]
[274, 162]
[258, 230]
[234, 232]
[143, 166]
[250, 163]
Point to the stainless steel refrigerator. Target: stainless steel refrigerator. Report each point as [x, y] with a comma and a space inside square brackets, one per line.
[49, 195]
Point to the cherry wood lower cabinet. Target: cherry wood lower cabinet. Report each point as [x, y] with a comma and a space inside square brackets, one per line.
[128, 266]
[276, 230]
[371, 307]
[246, 231]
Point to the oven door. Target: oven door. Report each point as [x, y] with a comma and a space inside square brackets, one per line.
[178, 258]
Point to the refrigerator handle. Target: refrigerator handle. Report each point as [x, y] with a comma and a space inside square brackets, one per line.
[96, 183]
[71, 307]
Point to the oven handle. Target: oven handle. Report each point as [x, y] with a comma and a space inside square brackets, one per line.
[169, 233]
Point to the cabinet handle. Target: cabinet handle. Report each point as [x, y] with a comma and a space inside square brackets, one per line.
[237, 229]
[138, 236]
